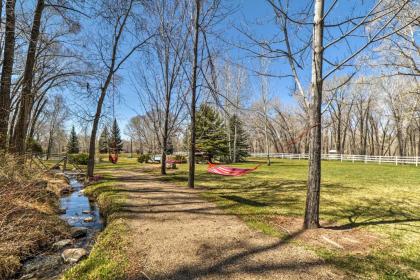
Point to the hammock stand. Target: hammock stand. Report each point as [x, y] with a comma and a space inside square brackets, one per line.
[229, 171]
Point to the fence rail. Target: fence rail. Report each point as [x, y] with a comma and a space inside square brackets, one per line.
[343, 157]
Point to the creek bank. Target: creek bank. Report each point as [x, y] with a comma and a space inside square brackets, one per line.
[84, 223]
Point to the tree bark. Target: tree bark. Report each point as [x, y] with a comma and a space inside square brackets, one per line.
[6, 75]
[167, 109]
[23, 118]
[92, 141]
[191, 158]
[314, 174]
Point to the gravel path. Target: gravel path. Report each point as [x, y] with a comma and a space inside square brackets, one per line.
[177, 235]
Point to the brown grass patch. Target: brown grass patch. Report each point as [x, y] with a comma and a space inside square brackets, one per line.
[350, 240]
[28, 219]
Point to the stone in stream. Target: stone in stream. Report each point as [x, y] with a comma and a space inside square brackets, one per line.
[66, 190]
[41, 264]
[88, 219]
[87, 212]
[73, 255]
[78, 232]
[62, 211]
[62, 243]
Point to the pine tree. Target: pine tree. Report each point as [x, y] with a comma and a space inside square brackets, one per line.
[73, 143]
[115, 141]
[210, 131]
[239, 139]
[104, 141]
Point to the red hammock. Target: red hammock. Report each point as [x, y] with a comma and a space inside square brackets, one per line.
[229, 171]
[113, 158]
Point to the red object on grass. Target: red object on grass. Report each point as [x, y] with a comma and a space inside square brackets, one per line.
[229, 171]
[113, 158]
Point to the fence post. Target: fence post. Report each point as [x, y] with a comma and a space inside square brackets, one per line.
[341, 157]
[380, 159]
[65, 163]
[396, 160]
[353, 159]
[365, 159]
[417, 161]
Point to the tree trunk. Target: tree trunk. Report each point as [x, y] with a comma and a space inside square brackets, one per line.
[6, 75]
[92, 142]
[167, 109]
[267, 144]
[314, 174]
[191, 159]
[23, 118]
[235, 140]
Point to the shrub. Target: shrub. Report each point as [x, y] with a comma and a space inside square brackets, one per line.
[143, 158]
[180, 158]
[81, 159]
[33, 146]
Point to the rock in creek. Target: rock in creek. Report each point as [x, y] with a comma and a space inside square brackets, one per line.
[87, 212]
[73, 255]
[62, 243]
[78, 232]
[88, 220]
[62, 211]
[66, 190]
[41, 264]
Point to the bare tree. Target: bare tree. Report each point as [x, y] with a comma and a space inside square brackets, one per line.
[191, 154]
[6, 75]
[112, 58]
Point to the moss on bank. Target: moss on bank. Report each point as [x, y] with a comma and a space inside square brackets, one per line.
[108, 258]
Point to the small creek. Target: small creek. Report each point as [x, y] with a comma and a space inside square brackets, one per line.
[79, 208]
[80, 213]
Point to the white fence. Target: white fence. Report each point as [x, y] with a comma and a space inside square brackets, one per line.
[342, 157]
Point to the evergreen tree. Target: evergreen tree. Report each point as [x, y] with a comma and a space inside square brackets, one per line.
[73, 143]
[239, 139]
[104, 141]
[210, 131]
[115, 141]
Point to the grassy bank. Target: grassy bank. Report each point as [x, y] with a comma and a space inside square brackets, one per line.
[28, 214]
[108, 258]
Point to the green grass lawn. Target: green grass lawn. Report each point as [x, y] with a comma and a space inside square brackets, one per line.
[383, 199]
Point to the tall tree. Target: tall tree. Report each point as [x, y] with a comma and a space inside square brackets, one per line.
[73, 143]
[104, 141]
[238, 139]
[6, 75]
[115, 141]
[314, 173]
[27, 91]
[112, 59]
[191, 154]
[57, 114]
[210, 131]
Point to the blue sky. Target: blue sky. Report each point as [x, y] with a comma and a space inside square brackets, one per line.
[256, 17]
[127, 105]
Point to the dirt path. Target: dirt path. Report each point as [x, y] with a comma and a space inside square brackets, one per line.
[178, 235]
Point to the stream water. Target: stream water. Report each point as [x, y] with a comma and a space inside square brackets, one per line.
[80, 212]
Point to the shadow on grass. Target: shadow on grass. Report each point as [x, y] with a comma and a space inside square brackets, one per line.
[375, 212]
[244, 200]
